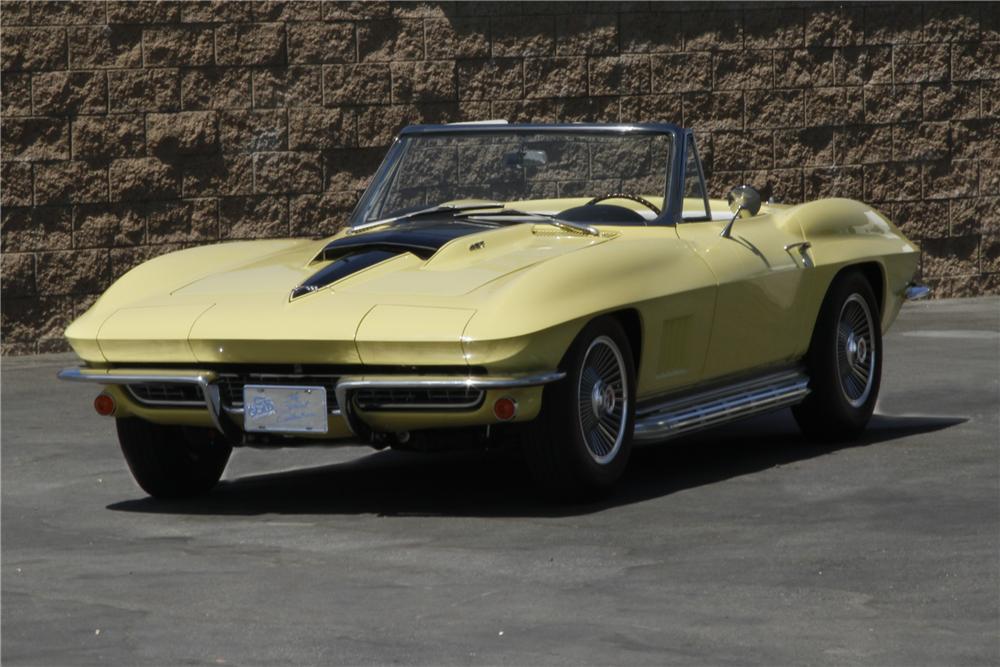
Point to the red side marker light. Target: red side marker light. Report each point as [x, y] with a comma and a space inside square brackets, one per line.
[505, 409]
[104, 404]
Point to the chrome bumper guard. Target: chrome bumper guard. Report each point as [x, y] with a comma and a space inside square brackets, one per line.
[207, 381]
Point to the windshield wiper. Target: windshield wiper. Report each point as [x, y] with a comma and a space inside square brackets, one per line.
[441, 208]
[507, 213]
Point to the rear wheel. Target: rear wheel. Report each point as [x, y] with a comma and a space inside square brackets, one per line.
[172, 461]
[582, 439]
[844, 362]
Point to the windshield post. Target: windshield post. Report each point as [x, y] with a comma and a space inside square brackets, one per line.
[673, 211]
[379, 181]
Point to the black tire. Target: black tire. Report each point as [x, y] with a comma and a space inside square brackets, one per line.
[844, 384]
[172, 461]
[565, 460]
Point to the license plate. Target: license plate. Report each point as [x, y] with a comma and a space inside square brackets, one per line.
[282, 409]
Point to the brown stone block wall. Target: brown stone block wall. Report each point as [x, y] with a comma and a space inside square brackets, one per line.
[133, 129]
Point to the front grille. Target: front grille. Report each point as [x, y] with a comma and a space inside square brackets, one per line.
[396, 398]
[167, 393]
[231, 386]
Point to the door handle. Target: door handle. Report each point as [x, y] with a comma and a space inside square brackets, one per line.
[802, 246]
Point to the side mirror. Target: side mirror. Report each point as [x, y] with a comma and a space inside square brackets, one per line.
[744, 202]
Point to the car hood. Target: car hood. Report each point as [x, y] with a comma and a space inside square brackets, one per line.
[317, 301]
[427, 261]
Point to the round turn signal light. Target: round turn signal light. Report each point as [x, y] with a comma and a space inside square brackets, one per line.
[505, 409]
[104, 404]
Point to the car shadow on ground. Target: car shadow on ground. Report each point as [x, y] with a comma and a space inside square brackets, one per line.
[496, 483]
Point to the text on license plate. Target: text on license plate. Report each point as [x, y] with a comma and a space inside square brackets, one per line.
[284, 409]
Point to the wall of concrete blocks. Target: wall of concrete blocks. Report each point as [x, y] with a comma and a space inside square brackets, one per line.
[133, 129]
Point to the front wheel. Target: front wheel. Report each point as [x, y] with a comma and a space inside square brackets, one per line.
[582, 439]
[844, 362]
[172, 461]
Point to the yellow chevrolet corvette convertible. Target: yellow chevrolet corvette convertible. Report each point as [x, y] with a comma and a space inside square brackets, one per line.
[569, 288]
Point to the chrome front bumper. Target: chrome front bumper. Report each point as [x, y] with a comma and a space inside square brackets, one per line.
[204, 379]
[207, 381]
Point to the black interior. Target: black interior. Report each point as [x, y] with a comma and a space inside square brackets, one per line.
[607, 214]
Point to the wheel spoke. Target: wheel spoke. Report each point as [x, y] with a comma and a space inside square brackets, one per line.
[610, 422]
[606, 432]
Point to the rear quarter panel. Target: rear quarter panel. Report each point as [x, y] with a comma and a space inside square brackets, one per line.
[845, 233]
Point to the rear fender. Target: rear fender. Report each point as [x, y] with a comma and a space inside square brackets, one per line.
[844, 233]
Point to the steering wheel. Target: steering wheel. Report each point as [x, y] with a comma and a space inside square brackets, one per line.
[625, 195]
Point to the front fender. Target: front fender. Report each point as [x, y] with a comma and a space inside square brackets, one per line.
[160, 276]
[528, 320]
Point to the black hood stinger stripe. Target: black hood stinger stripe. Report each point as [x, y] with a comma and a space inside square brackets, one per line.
[351, 254]
[343, 267]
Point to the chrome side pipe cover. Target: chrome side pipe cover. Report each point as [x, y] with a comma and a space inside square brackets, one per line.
[711, 408]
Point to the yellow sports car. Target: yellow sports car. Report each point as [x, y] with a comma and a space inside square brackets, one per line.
[570, 288]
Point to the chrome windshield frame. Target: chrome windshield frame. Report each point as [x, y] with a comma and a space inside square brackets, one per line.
[674, 169]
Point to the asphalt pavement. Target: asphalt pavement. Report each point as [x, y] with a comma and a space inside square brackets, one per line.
[748, 544]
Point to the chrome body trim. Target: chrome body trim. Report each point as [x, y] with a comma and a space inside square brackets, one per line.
[803, 247]
[914, 292]
[203, 378]
[136, 375]
[702, 410]
[495, 121]
[445, 208]
[537, 218]
[569, 225]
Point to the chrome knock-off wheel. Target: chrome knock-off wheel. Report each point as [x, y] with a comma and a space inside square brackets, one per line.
[844, 361]
[582, 439]
[603, 399]
[855, 350]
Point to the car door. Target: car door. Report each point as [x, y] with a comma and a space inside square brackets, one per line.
[760, 269]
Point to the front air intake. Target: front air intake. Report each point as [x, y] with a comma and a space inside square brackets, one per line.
[399, 398]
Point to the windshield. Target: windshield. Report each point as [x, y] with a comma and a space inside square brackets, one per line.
[549, 173]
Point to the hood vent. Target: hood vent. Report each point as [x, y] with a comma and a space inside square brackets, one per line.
[344, 266]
